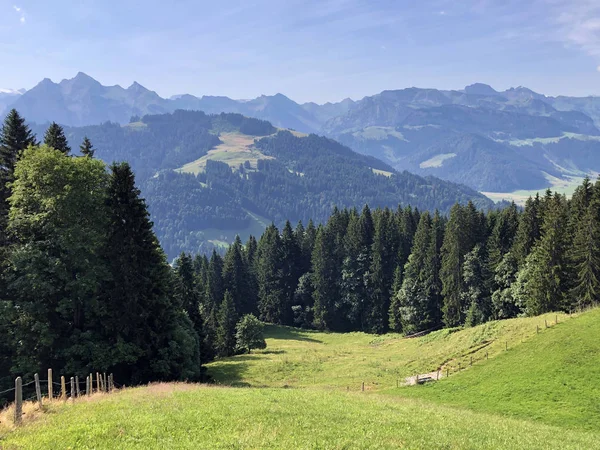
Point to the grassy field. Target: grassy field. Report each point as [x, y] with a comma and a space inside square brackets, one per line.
[565, 186]
[302, 358]
[533, 390]
[553, 377]
[236, 149]
[193, 417]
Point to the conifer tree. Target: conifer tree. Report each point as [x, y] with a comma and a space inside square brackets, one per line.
[269, 268]
[351, 311]
[290, 270]
[453, 250]
[187, 291]
[149, 336]
[585, 253]
[546, 278]
[324, 276]
[476, 294]
[505, 305]
[86, 148]
[383, 260]
[227, 319]
[395, 316]
[55, 138]
[528, 231]
[235, 278]
[414, 297]
[15, 136]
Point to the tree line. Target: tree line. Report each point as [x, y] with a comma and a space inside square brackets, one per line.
[84, 284]
[409, 271]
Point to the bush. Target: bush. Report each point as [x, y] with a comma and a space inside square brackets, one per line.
[249, 334]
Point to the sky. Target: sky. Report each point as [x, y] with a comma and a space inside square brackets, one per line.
[310, 50]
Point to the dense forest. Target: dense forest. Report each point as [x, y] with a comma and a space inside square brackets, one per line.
[305, 179]
[410, 271]
[84, 284]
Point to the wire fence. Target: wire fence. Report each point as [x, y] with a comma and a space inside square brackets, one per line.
[67, 389]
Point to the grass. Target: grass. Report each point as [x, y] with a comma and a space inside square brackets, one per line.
[302, 358]
[198, 417]
[236, 149]
[304, 391]
[553, 377]
[437, 160]
[566, 185]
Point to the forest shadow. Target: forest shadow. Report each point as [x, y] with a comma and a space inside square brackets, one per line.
[289, 333]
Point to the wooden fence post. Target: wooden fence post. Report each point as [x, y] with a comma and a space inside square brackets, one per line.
[63, 389]
[486, 355]
[447, 372]
[77, 390]
[471, 361]
[104, 384]
[87, 386]
[417, 378]
[50, 385]
[18, 400]
[73, 388]
[38, 389]
[98, 381]
[546, 322]
[91, 383]
[363, 386]
[438, 376]
[506, 345]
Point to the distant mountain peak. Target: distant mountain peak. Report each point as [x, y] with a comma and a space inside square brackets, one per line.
[480, 89]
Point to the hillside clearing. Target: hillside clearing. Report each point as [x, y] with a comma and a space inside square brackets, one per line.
[236, 149]
[304, 358]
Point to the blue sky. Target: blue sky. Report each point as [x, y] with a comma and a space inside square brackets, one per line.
[312, 50]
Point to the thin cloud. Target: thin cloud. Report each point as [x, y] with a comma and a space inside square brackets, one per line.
[20, 12]
[578, 23]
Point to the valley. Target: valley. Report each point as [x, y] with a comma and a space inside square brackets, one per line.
[304, 391]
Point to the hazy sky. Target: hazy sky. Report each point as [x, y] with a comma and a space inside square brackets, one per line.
[313, 50]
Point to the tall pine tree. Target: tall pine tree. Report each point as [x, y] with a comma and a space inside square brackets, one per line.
[55, 138]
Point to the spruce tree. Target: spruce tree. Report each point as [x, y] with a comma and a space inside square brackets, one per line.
[86, 148]
[381, 275]
[395, 316]
[15, 136]
[235, 278]
[585, 254]
[187, 290]
[528, 231]
[324, 278]
[291, 257]
[227, 320]
[476, 293]
[150, 337]
[413, 298]
[269, 267]
[55, 138]
[453, 250]
[546, 281]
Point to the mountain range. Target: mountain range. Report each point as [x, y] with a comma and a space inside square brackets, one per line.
[207, 178]
[492, 141]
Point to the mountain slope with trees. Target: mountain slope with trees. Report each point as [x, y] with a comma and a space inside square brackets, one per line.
[297, 178]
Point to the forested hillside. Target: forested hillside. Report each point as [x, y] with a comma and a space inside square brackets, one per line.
[492, 141]
[295, 178]
[411, 271]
